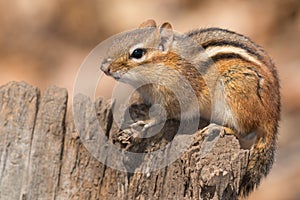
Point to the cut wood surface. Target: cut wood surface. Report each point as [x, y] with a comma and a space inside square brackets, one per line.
[45, 155]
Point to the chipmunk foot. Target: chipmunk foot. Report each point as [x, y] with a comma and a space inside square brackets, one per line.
[222, 130]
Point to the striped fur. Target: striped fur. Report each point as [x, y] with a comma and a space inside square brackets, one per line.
[249, 83]
[216, 39]
[236, 85]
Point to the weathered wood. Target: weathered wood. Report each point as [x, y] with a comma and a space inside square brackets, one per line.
[45, 155]
[47, 146]
[18, 109]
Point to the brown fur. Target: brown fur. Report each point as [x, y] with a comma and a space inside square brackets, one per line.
[250, 90]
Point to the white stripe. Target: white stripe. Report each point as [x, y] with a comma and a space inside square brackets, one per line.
[214, 50]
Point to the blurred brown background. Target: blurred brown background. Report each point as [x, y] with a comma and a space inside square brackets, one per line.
[45, 42]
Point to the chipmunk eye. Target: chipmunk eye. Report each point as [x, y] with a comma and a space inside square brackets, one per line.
[138, 53]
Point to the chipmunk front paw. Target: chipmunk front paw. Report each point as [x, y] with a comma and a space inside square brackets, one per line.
[139, 129]
[127, 136]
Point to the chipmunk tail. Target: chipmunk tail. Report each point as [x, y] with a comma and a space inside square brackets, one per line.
[260, 162]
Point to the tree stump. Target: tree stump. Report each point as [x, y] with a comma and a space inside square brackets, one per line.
[45, 154]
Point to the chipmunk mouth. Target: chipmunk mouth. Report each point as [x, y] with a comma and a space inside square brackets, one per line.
[118, 76]
[121, 76]
[124, 77]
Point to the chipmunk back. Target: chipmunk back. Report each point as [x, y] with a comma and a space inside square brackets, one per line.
[234, 84]
[251, 86]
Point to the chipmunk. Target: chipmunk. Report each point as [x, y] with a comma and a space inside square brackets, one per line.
[234, 83]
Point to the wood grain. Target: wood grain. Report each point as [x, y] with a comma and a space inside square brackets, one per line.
[45, 155]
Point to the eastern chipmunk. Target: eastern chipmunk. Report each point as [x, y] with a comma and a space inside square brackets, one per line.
[234, 81]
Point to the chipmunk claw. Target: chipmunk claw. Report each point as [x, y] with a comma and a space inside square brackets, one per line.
[126, 136]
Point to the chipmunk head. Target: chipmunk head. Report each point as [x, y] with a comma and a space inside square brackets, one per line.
[147, 47]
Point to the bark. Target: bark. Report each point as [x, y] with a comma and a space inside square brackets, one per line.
[49, 153]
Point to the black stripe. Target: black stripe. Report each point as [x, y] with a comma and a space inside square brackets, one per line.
[260, 79]
[212, 60]
[221, 43]
[222, 56]
[230, 38]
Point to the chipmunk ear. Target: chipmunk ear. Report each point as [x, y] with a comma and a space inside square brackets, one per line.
[166, 36]
[150, 23]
